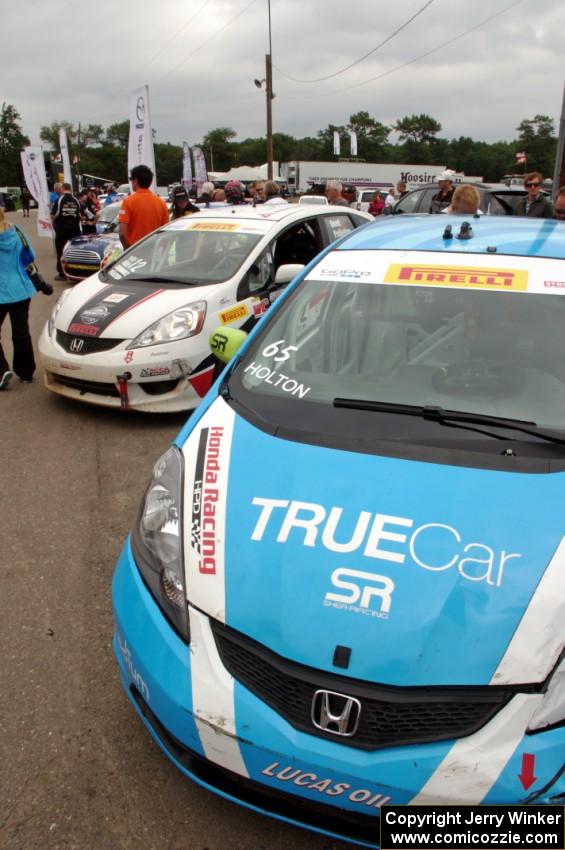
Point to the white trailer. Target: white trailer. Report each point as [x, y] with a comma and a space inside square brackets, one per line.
[302, 176]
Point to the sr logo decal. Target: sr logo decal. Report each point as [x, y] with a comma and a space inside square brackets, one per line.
[372, 592]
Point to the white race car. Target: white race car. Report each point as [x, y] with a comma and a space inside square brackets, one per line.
[135, 335]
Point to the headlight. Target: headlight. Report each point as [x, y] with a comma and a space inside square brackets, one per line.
[552, 708]
[157, 539]
[55, 311]
[182, 323]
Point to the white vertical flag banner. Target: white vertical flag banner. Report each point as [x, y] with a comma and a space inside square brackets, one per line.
[140, 147]
[186, 167]
[64, 148]
[336, 143]
[33, 167]
[353, 140]
[200, 172]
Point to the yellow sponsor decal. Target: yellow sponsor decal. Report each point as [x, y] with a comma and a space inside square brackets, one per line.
[212, 225]
[459, 276]
[229, 316]
[78, 266]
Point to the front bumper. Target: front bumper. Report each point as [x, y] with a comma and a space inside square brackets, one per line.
[255, 758]
[153, 383]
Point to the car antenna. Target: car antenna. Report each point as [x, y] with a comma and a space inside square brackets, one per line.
[448, 232]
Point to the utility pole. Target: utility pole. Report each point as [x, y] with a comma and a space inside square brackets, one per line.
[269, 86]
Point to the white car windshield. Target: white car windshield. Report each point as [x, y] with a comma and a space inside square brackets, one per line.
[499, 354]
[189, 256]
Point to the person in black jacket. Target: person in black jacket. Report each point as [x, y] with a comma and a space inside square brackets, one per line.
[534, 204]
[65, 213]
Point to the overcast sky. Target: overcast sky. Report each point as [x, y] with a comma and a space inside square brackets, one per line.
[64, 60]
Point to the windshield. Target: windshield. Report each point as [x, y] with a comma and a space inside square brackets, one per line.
[190, 256]
[497, 354]
[109, 214]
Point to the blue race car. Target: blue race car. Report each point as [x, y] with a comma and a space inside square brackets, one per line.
[344, 585]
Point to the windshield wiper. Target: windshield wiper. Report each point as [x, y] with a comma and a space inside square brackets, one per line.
[452, 417]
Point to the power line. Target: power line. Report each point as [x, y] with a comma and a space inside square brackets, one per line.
[370, 53]
[416, 59]
[174, 37]
[200, 46]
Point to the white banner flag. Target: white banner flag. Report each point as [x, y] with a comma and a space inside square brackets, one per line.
[68, 175]
[353, 140]
[336, 143]
[200, 172]
[33, 167]
[186, 167]
[140, 147]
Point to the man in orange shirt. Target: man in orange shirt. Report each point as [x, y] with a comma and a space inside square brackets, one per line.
[143, 212]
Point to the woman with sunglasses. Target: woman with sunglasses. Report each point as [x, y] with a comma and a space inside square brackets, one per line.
[534, 204]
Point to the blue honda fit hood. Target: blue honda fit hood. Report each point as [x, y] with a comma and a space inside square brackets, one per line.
[422, 570]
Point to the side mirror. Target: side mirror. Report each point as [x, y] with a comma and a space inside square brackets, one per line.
[225, 342]
[287, 272]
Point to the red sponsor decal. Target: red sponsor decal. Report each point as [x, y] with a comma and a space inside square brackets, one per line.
[83, 330]
[555, 284]
[201, 383]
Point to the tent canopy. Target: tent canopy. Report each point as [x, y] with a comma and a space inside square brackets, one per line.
[246, 173]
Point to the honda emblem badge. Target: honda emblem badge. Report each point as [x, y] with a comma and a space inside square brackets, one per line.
[336, 713]
[76, 345]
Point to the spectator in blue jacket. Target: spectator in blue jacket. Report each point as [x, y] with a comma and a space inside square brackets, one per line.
[16, 292]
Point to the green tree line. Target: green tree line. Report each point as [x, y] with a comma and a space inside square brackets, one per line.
[103, 151]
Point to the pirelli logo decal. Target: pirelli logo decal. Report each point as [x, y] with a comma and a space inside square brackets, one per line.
[459, 276]
[229, 316]
[212, 225]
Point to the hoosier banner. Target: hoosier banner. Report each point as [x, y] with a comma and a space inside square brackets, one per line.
[140, 147]
[33, 167]
[200, 172]
[186, 167]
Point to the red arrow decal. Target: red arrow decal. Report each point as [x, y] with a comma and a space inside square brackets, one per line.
[527, 777]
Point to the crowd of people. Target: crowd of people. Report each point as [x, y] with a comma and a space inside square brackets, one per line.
[143, 211]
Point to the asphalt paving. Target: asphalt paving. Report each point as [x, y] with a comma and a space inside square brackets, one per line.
[79, 771]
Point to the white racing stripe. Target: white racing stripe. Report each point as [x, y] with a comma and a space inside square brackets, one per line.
[538, 641]
[473, 764]
[207, 457]
[212, 698]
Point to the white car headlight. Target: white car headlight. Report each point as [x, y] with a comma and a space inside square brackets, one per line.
[181, 323]
[552, 708]
[55, 311]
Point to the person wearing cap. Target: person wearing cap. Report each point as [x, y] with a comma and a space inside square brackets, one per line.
[534, 204]
[207, 193]
[112, 195]
[442, 198]
[182, 204]
[234, 192]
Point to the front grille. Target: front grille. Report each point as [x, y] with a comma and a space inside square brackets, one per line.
[76, 255]
[390, 716]
[90, 345]
[96, 387]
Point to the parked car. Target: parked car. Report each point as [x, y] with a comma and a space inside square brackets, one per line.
[344, 585]
[313, 199]
[496, 199]
[135, 335]
[85, 255]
